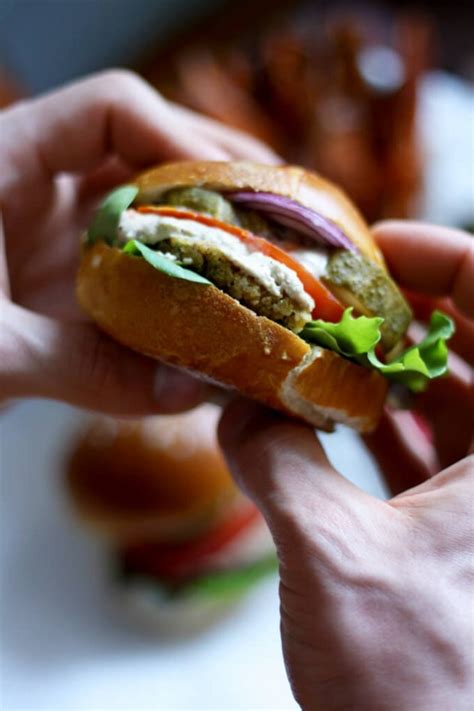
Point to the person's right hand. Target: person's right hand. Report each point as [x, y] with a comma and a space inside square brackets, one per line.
[59, 153]
[436, 265]
[376, 596]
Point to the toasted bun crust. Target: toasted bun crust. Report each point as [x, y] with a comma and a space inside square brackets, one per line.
[163, 477]
[205, 331]
[301, 185]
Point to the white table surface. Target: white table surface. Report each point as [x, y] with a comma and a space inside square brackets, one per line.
[64, 644]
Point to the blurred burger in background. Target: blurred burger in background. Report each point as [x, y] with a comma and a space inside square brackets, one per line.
[186, 544]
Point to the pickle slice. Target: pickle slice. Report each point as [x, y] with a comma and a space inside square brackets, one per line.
[360, 283]
[200, 200]
[215, 205]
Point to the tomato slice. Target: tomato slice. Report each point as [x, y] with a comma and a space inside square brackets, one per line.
[327, 306]
[178, 560]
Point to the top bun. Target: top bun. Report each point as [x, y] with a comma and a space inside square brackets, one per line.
[162, 476]
[306, 188]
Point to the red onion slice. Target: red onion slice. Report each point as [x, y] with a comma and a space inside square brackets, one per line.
[289, 213]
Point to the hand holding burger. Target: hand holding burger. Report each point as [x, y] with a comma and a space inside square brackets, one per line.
[376, 596]
[59, 153]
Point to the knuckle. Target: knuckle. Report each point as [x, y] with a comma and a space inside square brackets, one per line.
[98, 367]
[113, 379]
[121, 82]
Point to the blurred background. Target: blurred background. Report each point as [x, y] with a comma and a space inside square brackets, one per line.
[379, 97]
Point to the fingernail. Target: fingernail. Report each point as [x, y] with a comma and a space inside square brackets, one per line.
[175, 391]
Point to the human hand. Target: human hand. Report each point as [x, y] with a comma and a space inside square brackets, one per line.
[436, 265]
[376, 596]
[58, 155]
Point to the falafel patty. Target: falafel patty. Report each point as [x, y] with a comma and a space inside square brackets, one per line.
[257, 281]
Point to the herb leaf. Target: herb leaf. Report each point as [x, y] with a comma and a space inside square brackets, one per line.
[105, 223]
[162, 263]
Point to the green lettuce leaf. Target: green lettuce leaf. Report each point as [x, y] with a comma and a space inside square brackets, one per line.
[357, 338]
[105, 223]
[219, 584]
[350, 337]
[162, 263]
[230, 583]
[423, 361]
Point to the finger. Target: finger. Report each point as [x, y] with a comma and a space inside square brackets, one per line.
[43, 254]
[77, 364]
[238, 143]
[75, 128]
[436, 260]
[114, 171]
[4, 279]
[99, 181]
[281, 465]
[462, 342]
[402, 451]
[448, 405]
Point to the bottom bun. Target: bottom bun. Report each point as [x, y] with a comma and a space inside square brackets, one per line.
[182, 616]
[205, 331]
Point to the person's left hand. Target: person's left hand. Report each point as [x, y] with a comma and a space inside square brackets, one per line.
[58, 155]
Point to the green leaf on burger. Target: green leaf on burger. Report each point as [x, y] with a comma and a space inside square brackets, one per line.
[105, 223]
[162, 263]
[421, 362]
[357, 337]
[350, 337]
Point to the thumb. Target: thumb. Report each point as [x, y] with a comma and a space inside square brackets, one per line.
[76, 363]
[281, 465]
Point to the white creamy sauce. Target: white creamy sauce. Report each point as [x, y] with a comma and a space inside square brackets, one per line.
[314, 259]
[277, 278]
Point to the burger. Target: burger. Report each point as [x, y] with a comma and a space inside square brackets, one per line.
[184, 545]
[264, 279]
